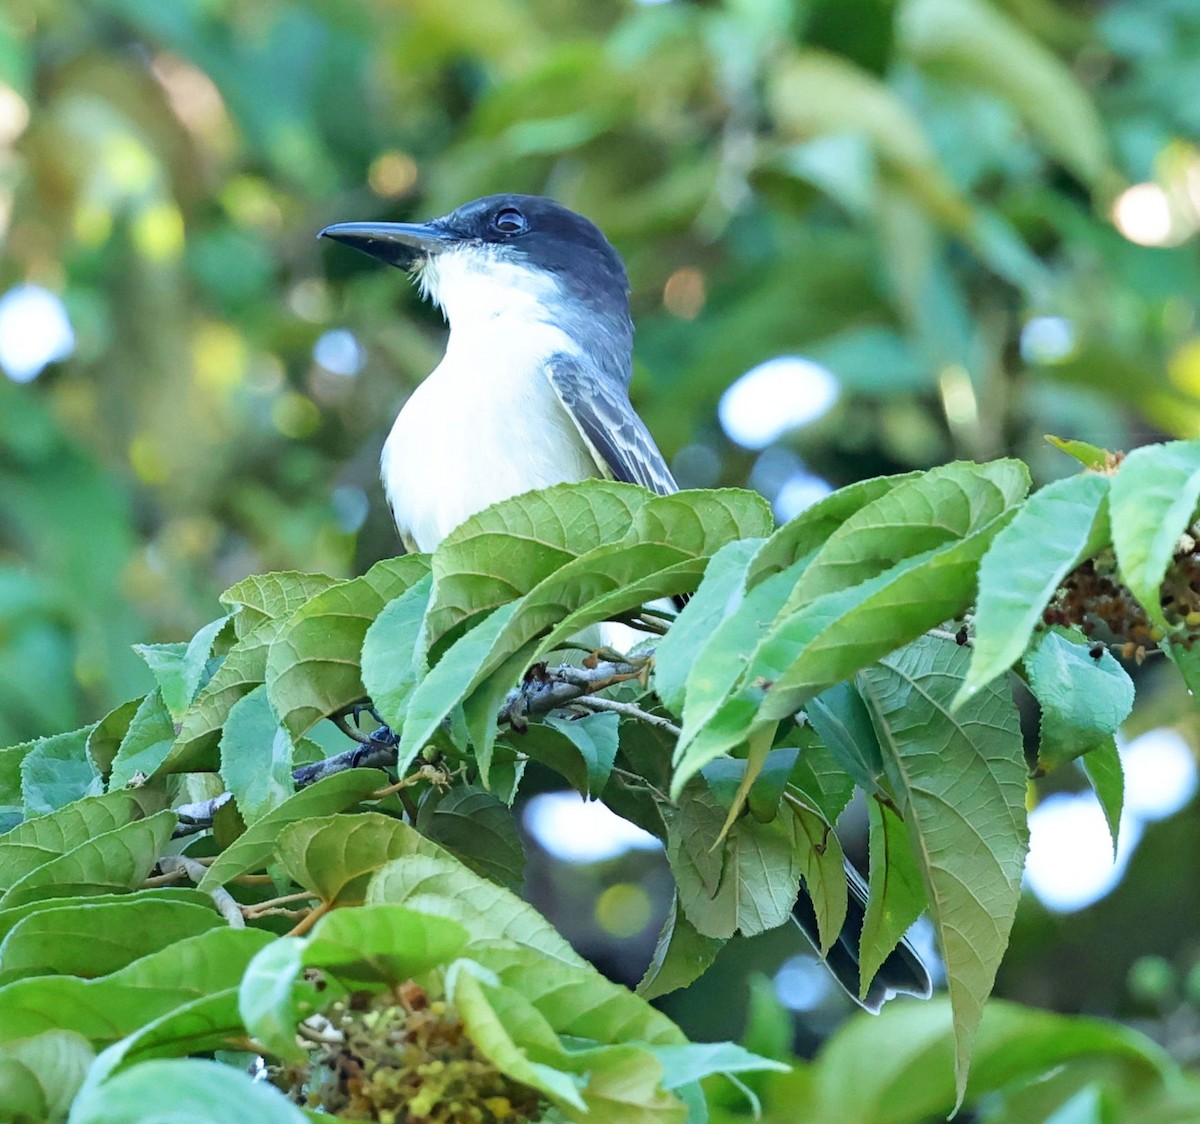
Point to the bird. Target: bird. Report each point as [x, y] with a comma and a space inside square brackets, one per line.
[533, 390]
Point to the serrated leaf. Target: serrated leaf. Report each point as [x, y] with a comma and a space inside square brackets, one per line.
[505, 550]
[479, 830]
[896, 895]
[39, 840]
[959, 779]
[107, 735]
[273, 596]
[256, 756]
[9, 918]
[108, 1008]
[99, 937]
[490, 913]
[487, 1016]
[146, 743]
[595, 737]
[1153, 500]
[748, 884]
[1107, 778]
[39, 1076]
[178, 668]
[841, 720]
[117, 861]
[822, 866]
[313, 664]
[1058, 526]
[12, 806]
[254, 848]
[393, 652]
[201, 1092]
[801, 537]
[381, 944]
[682, 954]
[56, 771]
[1083, 698]
[819, 778]
[721, 590]
[941, 506]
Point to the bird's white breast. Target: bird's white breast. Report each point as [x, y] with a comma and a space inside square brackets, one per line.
[486, 424]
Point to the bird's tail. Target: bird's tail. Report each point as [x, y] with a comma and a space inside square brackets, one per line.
[902, 973]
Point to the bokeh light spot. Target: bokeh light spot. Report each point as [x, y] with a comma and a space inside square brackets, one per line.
[623, 910]
[219, 357]
[157, 232]
[339, 352]
[1047, 339]
[1143, 214]
[392, 173]
[775, 397]
[574, 830]
[684, 293]
[34, 331]
[295, 416]
[14, 114]
[802, 983]
[1160, 774]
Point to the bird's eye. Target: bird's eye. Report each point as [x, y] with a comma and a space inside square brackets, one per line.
[510, 221]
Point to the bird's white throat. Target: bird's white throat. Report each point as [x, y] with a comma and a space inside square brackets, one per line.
[486, 424]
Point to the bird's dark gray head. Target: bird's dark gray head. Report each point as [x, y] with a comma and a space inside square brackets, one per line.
[510, 255]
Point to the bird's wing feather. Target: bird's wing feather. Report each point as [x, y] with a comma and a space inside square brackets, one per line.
[617, 437]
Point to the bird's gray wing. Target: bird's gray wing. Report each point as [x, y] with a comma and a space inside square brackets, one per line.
[617, 437]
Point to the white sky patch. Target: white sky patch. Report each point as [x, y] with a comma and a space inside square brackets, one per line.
[1160, 773]
[1070, 862]
[579, 831]
[339, 352]
[775, 397]
[34, 331]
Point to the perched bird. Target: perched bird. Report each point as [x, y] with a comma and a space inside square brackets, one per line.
[534, 390]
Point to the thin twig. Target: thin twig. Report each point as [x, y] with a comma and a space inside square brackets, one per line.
[309, 919]
[591, 702]
[222, 899]
[260, 909]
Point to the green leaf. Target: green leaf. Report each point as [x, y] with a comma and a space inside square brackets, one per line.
[178, 668]
[379, 944]
[802, 536]
[57, 771]
[201, 1092]
[820, 778]
[256, 756]
[12, 806]
[9, 918]
[479, 830]
[116, 861]
[505, 550]
[595, 737]
[490, 913]
[823, 868]
[335, 856]
[108, 1008]
[146, 743]
[896, 894]
[107, 735]
[38, 841]
[487, 1015]
[841, 720]
[1104, 772]
[98, 938]
[1154, 496]
[959, 779]
[941, 506]
[39, 1076]
[1056, 529]
[682, 955]
[1090, 456]
[1083, 698]
[693, 1061]
[254, 848]
[275, 596]
[393, 652]
[977, 44]
[749, 883]
[313, 664]
[721, 590]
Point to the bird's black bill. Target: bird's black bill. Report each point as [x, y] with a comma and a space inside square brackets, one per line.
[402, 244]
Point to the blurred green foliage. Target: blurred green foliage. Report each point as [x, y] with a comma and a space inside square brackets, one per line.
[931, 197]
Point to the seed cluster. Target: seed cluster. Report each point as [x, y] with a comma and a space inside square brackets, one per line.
[1094, 599]
[400, 1057]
